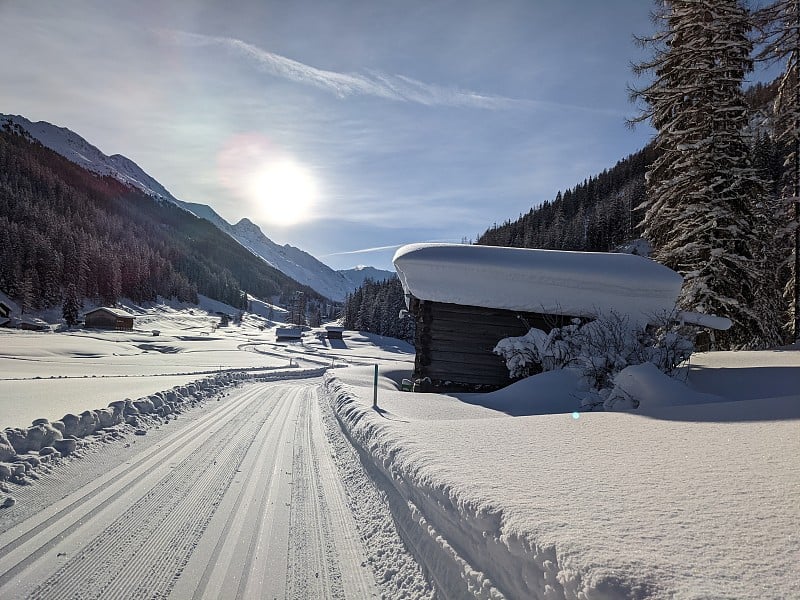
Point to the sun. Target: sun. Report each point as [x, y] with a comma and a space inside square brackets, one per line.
[285, 192]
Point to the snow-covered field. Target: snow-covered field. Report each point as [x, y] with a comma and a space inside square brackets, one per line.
[515, 495]
[45, 375]
[512, 494]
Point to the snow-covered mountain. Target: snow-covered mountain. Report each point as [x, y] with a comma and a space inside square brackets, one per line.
[71, 146]
[297, 264]
[358, 275]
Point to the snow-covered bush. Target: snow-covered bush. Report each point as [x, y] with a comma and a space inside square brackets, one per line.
[599, 349]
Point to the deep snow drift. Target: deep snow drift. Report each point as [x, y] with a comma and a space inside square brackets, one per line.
[514, 494]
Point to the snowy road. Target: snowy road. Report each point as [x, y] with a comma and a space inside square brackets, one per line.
[242, 502]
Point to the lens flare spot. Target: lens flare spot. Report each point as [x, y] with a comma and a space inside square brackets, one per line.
[279, 189]
[576, 415]
[285, 192]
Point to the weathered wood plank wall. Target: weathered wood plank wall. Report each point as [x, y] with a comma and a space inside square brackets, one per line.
[454, 343]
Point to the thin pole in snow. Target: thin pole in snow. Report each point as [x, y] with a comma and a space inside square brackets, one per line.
[375, 389]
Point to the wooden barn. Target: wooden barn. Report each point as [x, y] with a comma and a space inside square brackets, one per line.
[109, 318]
[288, 334]
[334, 332]
[466, 298]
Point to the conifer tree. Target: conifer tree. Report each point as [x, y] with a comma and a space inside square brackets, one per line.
[702, 190]
[779, 27]
[71, 306]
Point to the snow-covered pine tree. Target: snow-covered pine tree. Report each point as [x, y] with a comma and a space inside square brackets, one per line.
[702, 189]
[71, 306]
[779, 28]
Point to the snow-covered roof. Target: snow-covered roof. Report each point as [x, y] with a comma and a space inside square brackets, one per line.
[114, 311]
[9, 303]
[545, 281]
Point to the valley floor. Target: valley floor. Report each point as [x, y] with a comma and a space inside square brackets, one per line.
[302, 489]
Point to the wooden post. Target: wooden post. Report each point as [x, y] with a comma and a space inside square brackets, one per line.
[375, 389]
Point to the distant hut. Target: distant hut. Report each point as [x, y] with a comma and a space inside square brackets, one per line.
[334, 332]
[284, 334]
[32, 324]
[109, 318]
[466, 298]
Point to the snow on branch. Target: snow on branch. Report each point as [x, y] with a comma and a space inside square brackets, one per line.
[600, 350]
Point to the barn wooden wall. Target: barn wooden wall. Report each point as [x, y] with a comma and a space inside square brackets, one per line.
[454, 343]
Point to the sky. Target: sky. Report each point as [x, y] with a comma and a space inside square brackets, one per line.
[343, 128]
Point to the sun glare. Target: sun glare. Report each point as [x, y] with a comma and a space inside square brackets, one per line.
[285, 192]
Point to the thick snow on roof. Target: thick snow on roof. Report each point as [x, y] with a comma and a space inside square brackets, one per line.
[117, 312]
[546, 281]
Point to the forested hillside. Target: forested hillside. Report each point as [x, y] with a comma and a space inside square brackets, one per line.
[607, 211]
[62, 225]
[603, 212]
[596, 215]
[376, 307]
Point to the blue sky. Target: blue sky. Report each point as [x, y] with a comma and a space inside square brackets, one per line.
[407, 121]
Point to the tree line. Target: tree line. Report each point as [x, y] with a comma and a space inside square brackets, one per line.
[376, 307]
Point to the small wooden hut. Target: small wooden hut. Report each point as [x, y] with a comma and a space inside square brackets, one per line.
[334, 332]
[466, 298]
[109, 318]
[288, 334]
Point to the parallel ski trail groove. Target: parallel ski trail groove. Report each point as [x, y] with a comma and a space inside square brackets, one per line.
[243, 502]
[183, 499]
[124, 470]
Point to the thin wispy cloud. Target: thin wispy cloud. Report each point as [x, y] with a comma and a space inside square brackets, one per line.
[382, 248]
[372, 83]
[363, 250]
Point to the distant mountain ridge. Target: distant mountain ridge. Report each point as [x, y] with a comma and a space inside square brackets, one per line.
[293, 262]
[358, 275]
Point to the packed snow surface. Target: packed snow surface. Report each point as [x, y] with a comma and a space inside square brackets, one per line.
[546, 281]
[696, 495]
[512, 494]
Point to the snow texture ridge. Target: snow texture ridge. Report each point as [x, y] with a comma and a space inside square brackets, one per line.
[22, 450]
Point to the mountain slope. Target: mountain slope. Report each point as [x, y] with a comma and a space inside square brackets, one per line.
[295, 263]
[62, 225]
[76, 149]
[291, 261]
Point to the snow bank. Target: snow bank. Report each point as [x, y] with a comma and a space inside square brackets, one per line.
[23, 449]
[644, 387]
[547, 281]
[683, 501]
